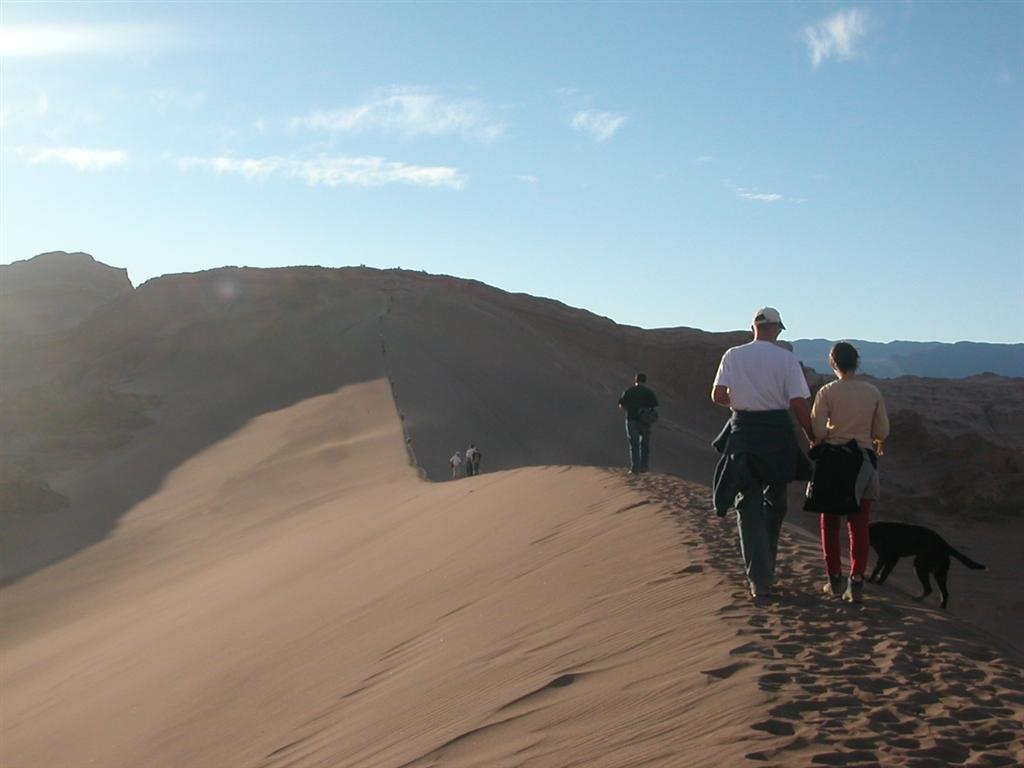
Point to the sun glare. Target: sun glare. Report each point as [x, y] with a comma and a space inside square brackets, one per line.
[62, 39]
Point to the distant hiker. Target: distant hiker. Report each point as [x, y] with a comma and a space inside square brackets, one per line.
[641, 407]
[850, 426]
[761, 382]
[470, 458]
[455, 462]
[477, 456]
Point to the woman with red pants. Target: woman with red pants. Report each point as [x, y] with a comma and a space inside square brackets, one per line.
[850, 409]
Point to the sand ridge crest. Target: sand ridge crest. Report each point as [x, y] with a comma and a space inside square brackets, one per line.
[541, 616]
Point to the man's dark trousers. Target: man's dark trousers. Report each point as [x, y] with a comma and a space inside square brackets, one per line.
[761, 508]
[639, 435]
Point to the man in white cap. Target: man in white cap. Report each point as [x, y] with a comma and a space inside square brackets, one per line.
[761, 382]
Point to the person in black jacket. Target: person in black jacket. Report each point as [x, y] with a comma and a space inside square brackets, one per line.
[640, 404]
[761, 383]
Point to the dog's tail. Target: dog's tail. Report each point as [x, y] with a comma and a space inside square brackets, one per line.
[967, 561]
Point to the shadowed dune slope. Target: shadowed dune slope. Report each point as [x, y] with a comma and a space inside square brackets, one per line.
[533, 382]
[200, 355]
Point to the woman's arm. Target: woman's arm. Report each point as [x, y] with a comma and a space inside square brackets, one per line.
[819, 416]
[879, 424]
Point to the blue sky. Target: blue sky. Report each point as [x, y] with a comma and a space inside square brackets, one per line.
[860, 167]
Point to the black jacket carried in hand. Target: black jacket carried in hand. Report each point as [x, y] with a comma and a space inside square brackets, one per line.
[833, 486]
[756, 446]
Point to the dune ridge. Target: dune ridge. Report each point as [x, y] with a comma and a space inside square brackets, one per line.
[296, 595]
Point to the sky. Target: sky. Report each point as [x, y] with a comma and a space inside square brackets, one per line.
[858, 166]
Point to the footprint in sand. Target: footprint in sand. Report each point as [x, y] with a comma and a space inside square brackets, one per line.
[775, 727]
[742, 650]
[993, 760]
[788, 649]
[845, 758]
[721, 673]
[690, 569]
[774, 681]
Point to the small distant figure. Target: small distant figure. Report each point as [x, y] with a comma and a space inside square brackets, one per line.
[473, 457]
[455, 462]
[850, 427]
[641, 407]
[761, 382]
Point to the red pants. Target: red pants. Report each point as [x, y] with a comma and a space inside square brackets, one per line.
[858, 527]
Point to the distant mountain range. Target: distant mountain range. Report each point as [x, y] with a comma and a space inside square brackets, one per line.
[920, 358]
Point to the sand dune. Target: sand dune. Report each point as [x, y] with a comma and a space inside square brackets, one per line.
[313, 600]
[225, 543]
[296, 595]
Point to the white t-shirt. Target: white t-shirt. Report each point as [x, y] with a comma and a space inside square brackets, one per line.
[761, 376]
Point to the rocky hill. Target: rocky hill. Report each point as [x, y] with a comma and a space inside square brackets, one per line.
[54, 292]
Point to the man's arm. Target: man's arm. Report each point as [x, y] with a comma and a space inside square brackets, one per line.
[720, 386]
[720, 395]
[802, 411]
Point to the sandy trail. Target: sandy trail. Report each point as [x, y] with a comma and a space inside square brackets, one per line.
[887, 682]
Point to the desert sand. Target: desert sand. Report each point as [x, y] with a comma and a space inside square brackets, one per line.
[257, 560]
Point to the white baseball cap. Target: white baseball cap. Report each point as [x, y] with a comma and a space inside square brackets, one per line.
[767, 315]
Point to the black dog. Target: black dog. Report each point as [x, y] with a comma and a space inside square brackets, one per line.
[931, 553]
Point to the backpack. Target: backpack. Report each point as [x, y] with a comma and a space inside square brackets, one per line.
[647, 415]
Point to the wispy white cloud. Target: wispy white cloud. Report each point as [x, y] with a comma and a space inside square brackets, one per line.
[526, 178]
[409, 112]
[601, 125]
[757, 196]
[764, 197]
[331, 171]
[69, 39]
[249, 168]
[79, 158]
[837, 36]
[705, 159]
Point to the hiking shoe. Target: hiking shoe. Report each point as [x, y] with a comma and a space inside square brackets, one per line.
[833, 585]
[854, 591]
